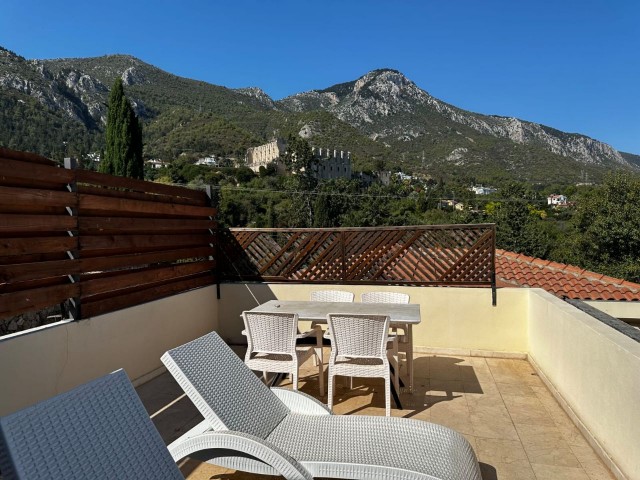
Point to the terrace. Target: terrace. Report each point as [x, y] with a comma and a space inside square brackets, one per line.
[541, 389]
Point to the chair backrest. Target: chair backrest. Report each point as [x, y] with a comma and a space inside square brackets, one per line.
[271, 332]
[97, 430]
[358, 335]
[384, 297]
[227, 393]
[331, 296]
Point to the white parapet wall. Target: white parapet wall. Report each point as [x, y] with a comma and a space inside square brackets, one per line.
[594, 371]
[454, 320]
[38, 364]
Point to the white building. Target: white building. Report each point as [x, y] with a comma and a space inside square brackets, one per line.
[263, 155]
[155, 163]
[480, 190]
[209, 161]
[557, 200]
[332, 164]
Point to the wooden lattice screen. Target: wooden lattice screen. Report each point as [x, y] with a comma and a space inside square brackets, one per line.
[94, 241]
[462, 255]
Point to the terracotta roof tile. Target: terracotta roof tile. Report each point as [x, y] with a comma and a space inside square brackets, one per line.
[560, 279]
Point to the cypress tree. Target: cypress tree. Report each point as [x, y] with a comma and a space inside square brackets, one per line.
[123, 152]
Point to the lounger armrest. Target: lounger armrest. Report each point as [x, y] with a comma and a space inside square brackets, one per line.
[301, 403]
[220, 444]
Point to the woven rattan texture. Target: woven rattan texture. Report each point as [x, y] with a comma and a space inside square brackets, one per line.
[99, 430]
[384, 297]
[392, 442]
[331, 296]
[358, 335]
[271, 332]
[238, 398]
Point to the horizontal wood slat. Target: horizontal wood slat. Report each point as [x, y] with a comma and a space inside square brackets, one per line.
[20, 272]
[27, 157]
[104, 180]
[12, 224]
[17, 303]
[128, 194]
[115, 225]
[97, 286]
[92, 245]
[33, 245]
[10, 196]
[150, 293]
[90, 204]
[14, 172]
[124, 261]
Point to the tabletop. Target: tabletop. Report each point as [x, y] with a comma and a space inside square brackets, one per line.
[317, 311]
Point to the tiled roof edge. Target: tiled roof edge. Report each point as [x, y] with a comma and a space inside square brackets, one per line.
[572, 269]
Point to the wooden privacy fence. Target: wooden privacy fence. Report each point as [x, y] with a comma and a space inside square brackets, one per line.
[462, 255]
[95, 241]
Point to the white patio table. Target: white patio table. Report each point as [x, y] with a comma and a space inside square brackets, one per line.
[317, 311]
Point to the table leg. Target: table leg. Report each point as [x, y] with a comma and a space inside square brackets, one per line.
[410, 356]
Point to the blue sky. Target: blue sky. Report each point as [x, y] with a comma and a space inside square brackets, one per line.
[572, 65]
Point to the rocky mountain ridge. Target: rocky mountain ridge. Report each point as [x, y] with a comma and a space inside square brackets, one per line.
[368, 102]
[381, 116]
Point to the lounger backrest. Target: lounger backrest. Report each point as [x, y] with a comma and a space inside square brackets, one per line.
[98, 430]
[223, 388]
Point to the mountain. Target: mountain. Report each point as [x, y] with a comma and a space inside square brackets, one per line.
[390, 108]
[58, 108]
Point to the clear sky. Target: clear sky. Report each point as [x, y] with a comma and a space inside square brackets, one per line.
[570, 64]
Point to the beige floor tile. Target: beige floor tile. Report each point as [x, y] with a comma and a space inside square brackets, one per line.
[554, 472]
[591, 463]
[492, 450]
[486, 426]
[439, 386]
[460, 422]
[562, 457]
[488, 409]
[486, 401]
[515, 389]
[527, 410]
[507, 471]
[540, 435]
[545, 445]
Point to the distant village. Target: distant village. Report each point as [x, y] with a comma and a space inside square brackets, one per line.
[333, 164]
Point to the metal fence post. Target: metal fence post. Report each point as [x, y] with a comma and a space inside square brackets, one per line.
[74, 303]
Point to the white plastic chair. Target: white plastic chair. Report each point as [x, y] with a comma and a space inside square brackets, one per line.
[271, 339]
[401, 330]
[359, 349]
[331, 296]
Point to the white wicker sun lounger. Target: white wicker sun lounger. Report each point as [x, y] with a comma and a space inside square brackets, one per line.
[99, 430]
[282, 432]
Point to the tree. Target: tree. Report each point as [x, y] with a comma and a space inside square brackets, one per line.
[517, 228]
[607, 223]
[123, 152]
[299, 160]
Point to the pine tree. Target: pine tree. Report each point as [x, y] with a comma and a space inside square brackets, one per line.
[123, 152]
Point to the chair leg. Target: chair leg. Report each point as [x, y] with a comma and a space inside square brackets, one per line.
[320, 374]
[330, 392]
[294, 376]
[387, 396]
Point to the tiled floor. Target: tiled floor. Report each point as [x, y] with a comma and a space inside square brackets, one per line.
[516, 427]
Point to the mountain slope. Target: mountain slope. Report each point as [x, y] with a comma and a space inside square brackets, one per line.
[58, 107]
[391, 108]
